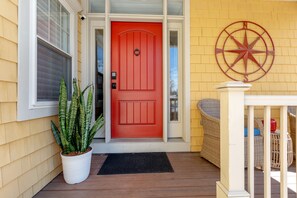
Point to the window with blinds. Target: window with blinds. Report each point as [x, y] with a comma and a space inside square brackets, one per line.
[53, 59]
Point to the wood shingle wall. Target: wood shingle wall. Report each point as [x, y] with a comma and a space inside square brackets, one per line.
[29, 156]
[209, 18]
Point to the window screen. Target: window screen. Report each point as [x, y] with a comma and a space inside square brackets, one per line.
[53, 60]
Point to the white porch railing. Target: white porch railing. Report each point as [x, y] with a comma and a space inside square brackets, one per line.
[233, 101]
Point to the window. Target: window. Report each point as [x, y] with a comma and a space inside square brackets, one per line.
[173, 67]
[99, 73]
[175, 78]
[47, 53]
[52, 66]
[96, 6]
[53, 59]
[175, 7]
[137, 7]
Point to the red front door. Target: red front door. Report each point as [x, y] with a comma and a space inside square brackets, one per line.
[136, 94]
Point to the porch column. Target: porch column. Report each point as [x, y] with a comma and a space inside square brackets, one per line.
[231, 183]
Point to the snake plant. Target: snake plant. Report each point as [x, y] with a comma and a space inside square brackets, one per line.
[76, 131]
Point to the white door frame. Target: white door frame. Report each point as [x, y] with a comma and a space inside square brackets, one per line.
[110, 145]
[93, 25]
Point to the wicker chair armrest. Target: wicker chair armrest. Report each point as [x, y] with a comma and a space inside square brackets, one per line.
[211, 126]
[206, 115]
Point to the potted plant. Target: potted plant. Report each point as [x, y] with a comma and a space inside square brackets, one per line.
[76, 133]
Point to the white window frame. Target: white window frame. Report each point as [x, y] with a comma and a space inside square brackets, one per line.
[176, 127]
[28, 107]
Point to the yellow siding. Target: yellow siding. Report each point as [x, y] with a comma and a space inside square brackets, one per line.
[29, 155]
[209, 18]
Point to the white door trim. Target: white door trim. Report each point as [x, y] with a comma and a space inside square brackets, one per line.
[109, 144]
[165, 74]
[175, 128]
[187, 74]
[93, 26]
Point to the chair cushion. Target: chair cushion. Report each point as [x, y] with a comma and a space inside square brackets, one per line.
[256, 132]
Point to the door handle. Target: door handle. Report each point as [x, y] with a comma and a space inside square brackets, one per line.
[113, 85]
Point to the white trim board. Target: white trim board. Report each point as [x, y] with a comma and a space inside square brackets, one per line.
[93, 26]
[165, 74]
[187, 74]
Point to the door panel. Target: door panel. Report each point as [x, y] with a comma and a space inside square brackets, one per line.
[137, 112]
[136, 57]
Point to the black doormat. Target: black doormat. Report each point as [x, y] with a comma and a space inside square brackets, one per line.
[129, 163]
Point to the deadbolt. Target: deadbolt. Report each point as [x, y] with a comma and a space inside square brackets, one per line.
[113, 85]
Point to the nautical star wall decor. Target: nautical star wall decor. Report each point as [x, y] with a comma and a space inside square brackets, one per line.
[244, 51]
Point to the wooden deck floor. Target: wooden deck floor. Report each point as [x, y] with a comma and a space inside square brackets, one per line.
[193, 177]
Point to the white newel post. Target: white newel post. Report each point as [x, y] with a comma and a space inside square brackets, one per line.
[231, 183]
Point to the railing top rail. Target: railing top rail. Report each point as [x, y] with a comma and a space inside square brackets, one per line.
[270, 100]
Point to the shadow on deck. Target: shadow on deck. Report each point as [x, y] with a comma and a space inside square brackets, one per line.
[193, 177]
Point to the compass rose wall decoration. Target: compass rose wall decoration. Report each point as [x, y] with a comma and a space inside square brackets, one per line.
[244, 51]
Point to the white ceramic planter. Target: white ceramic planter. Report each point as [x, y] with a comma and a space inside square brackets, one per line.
[76, 168]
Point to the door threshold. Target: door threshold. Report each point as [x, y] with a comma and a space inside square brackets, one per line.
[131, 145]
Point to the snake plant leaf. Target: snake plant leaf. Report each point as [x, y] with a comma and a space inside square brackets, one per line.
[75, 86]
[75, 93]
[89, 109]
[85, 89]
[77, 139]
[82, 121]
[99, 123]
[56, 133]
[66, 145]
[72, 115]
[63, 107]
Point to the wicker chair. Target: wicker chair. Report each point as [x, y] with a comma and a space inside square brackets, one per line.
[210, 113]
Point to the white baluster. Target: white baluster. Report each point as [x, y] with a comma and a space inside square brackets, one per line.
[283, 151]
[267, 160]
[251, 151]
[295, 142]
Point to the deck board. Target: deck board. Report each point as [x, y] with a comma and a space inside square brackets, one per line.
[192, 177]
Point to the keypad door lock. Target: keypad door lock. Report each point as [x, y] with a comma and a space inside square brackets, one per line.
[113, 75]
[113, 85]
